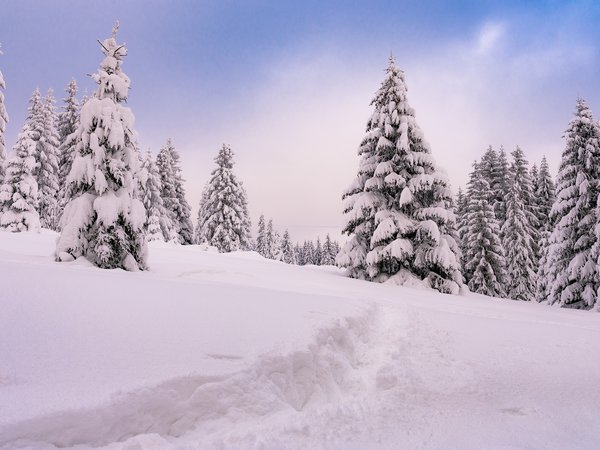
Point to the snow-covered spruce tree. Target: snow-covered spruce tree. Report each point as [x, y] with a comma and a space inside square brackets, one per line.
[571, 265]
[173, 193]
[484, 258]
[3, 122]
[544, 198]
[318, 255]
[461, 212]
[261, 237]
[224, 219]
[519, 235]
[298, 254]
[308, 249]
[270, 241]
[287, 250]
[198, 237]
[46, 156]
[328, 254]
[105, 219]
[19, 193]
[68, 123]
[158, 223]
[399, 219]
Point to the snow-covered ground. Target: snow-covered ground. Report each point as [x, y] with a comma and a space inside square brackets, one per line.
[234, 351]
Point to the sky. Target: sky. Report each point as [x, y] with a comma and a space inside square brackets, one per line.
[288, 84]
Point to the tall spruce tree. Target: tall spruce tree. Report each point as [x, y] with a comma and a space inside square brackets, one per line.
[225, 223]
[544, 198]
[571, 265]
[105, 219]
[519, 234]
[47, 163]
[400, 222]
[173, 192]
[3, 122]
[68, 123]
[484, 257]
[19, 193]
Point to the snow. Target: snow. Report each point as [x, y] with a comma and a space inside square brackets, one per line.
[209, 350]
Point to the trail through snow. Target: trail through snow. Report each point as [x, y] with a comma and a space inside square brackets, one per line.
[232, 351]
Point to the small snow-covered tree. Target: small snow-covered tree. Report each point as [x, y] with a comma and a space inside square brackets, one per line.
[261, 237]
[158, 223]
[173, 192]
[318, 255]
[308, 249]
[400, 222]
[484, 258]
[287, 251]
[105, 219]
[224, 221]
[3, 122]
[19, 193]
[198, 237]
[328, 254]
[68, 123]
[270, 245]
[572, 267]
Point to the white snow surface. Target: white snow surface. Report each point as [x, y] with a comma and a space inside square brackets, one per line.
[211, 350]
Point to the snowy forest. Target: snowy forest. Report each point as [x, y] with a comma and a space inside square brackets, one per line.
[515, 231]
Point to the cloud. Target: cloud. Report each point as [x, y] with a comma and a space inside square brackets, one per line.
[490, 35]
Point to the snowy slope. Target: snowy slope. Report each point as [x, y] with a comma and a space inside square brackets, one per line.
[234, 351]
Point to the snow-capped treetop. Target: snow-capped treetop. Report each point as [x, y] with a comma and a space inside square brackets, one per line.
[112, 82]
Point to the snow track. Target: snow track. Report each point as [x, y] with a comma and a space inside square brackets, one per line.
[333, 367]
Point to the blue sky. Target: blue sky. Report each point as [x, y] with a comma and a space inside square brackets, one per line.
[288, 83]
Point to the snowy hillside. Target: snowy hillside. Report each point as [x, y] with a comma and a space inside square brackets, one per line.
[214, 350]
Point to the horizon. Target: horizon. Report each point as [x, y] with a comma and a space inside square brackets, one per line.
[293, 94]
